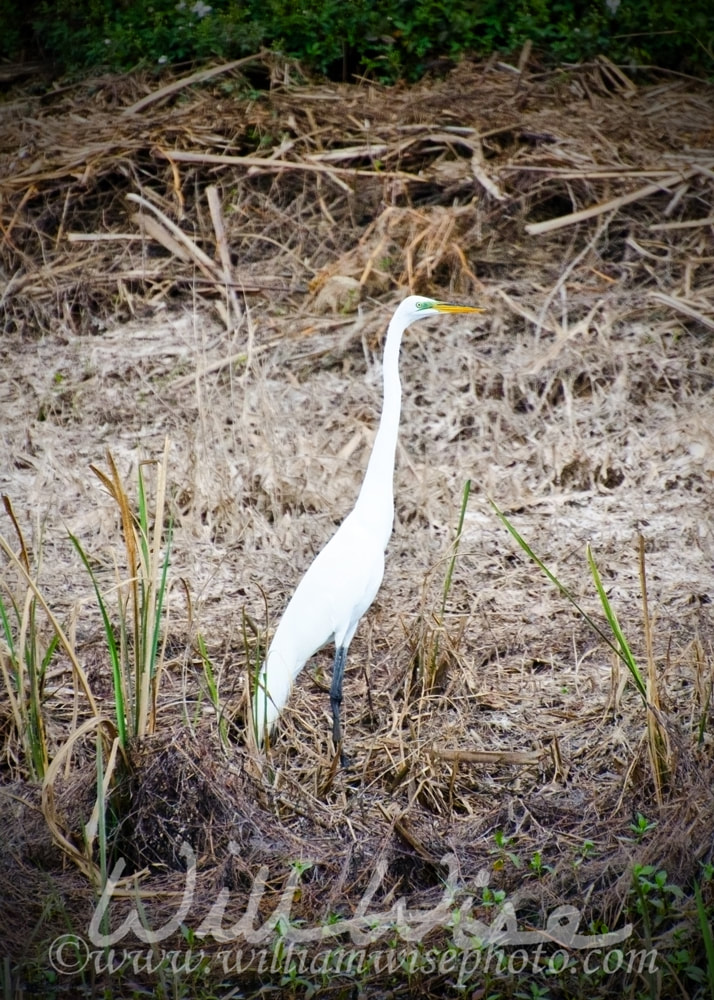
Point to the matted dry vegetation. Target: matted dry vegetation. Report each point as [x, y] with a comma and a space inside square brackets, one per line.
[216, 263]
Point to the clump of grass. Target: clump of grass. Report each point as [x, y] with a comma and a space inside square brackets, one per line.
[23, 666]
[28, 652]
[24, 663]
[134, 650]
[136, 656]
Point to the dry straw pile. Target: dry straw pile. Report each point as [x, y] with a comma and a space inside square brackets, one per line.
[214, 263]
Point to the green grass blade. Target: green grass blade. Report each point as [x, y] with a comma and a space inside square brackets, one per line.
[431, 656]
[257, 691]
[212, 689]
[12, 684]
[49, 653]
[160, 595]
[561, 587]
[143, 612]
[624, 650]
[23, 678]
[111, 645]
[101, 816]
[36, 728]
[207, 670]
[459, 529]
[36, 724]
[143, 517]
[7, 630]
[147, 645]
[551, 576]
[12, 672]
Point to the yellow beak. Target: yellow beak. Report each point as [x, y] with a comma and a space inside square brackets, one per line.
[445, 307]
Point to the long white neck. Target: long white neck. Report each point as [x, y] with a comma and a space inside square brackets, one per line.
[375, 502]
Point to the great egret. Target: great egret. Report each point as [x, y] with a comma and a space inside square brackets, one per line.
[344, 578]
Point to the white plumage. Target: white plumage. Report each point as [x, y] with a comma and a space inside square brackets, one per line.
[344, 578]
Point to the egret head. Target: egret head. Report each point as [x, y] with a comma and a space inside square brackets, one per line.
[418, 307]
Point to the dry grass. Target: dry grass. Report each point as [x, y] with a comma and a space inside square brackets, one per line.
[581, 403]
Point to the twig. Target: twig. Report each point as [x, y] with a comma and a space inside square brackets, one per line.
[266, 164]
[240, 358]
[187, 81]
[214, 206]
[154, 229]
[488, 756]
[201, 259]
[612, 205]
[686, 224]
[683, 307]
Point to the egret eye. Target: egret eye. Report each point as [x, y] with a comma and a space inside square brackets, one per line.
[423, 305]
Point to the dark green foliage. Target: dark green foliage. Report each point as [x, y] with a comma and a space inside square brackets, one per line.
[122, 35]
[344, 38]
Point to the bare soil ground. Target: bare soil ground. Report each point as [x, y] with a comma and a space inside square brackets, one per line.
[498, 751]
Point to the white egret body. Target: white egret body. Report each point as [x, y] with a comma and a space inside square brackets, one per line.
[345, 576]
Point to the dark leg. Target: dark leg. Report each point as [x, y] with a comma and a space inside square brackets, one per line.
[338, 672]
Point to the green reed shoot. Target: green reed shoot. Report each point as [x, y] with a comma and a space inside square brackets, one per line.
[212, 686]
[434, 658]
[428, 661]
[112, 647]
[133, 646]
[257, 692]
[457, 541]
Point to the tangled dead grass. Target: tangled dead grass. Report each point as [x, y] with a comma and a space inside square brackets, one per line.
[215, 262]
